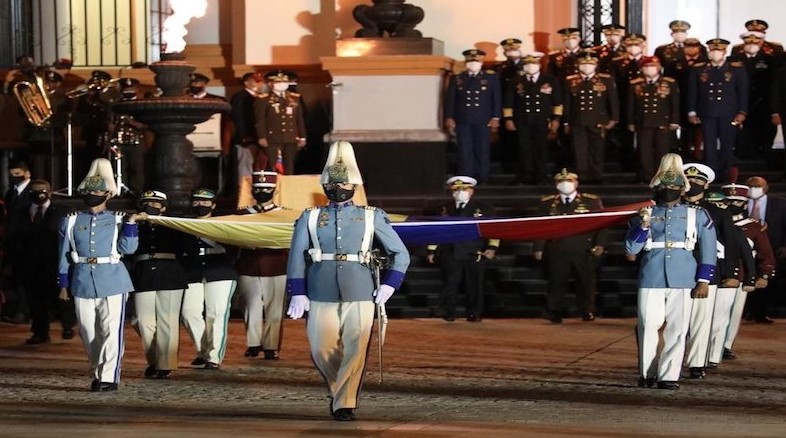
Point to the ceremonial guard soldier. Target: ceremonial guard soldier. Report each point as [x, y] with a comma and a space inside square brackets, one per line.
[91, 245]
[574, 255]
[718, 100]
[730, 314]
[679, 257]
[624, 69]
[473, 105]
[591, 110]
[758, 132]
[280, 126]
[508, 71]
[262, 278]
[329, 274]
[532, 108]
[759, 28]
[159, 282]
[463, 262]
[565, 62]
[211, 283]
[732, 247]
[653, 113]
[613, 47]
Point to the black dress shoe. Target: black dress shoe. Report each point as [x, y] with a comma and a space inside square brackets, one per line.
[473, 318]
[212, 366]
[94, 385]
[150, 372]
[668, 385]
[729, 354]
[764, 320]
[712, 365]
[271, 355]
[107, 386]
[697, 373]
[163, 374]
[252, 352]
[35, 339]
[646, 382]
[67, 334]
[344, 414]
[589, 316]
[198, 362]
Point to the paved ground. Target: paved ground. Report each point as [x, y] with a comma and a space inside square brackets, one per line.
[495, 378]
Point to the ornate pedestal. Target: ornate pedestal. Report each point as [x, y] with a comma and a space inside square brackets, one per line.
[389, 107]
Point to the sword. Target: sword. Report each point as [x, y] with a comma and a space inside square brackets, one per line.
[378, 260]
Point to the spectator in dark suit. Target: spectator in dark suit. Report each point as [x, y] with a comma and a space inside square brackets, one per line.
[244, 138]
[772, 211]
[37, 255]
[16, 199]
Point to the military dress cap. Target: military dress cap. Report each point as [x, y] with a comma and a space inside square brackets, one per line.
[264, 179]
[128, 82]
[100, 75]
[735, 192]
[634, 38]
[569, 32]
[205, 194]
[691, 42]
[565, 175]
[473, 55]
[460, 182]
[717, 44]
[255, 75]
[670, 173]
[679, 26]
[100, 178]
[532, 57]
[199, 77]
[714, 197]
[277, 76]
[510, 43]
[612, 28]
[757, 25]
[751, 36]
[341, 165]
[588, 57]
[153, 196]
[649, 60]
[699, 171]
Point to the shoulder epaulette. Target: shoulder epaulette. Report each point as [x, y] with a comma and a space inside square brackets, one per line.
[572, 77]
[490, 72]
[548, 198]
[699, 64]
[637, 81]
[293, 94]
[263, 95]
[668, 79]
[554, 52]
[736, 64]
[588, 195]
[604, 75]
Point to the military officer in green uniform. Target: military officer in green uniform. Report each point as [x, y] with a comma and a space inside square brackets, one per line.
[612, 48]
[572, 255]
[564, 62]
[653, 113]
[280, 126]
[673, 54]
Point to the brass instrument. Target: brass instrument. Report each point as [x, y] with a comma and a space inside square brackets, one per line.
[34, 101]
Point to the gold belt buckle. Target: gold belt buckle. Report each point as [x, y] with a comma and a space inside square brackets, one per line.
[341, 257]
[669, 244]
[92, 260]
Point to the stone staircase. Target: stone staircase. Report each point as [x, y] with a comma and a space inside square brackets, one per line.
[515, 285]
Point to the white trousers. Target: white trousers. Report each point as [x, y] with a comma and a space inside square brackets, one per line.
[699, 328]
[209, 332]
[736, 317]
[158, 315]
[264, 317]
[339, 334]
[101, 328]
[659, 306]
[720, 322]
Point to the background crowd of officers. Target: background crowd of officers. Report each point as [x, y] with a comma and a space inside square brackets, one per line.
[580, 104]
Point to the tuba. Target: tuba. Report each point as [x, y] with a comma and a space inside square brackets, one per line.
[34, 100]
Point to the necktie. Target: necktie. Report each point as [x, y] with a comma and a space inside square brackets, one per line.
[755, 210]
[39, 214]
[565, 200]
[531, 79]
[461, 206]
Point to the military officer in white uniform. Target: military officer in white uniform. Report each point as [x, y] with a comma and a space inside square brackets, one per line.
[92, 243]
[667, 235]
[329, 275]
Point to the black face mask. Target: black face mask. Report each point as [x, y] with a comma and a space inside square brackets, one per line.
[93, 200]
[664, 196]
[201, 210]
[695, 190]
[15, 180]
[338, 194]
[39, 197]
[262, 196]
[196, 90]
[152, 211]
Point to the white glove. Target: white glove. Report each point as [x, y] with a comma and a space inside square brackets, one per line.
[298, 305]
[383, 294]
